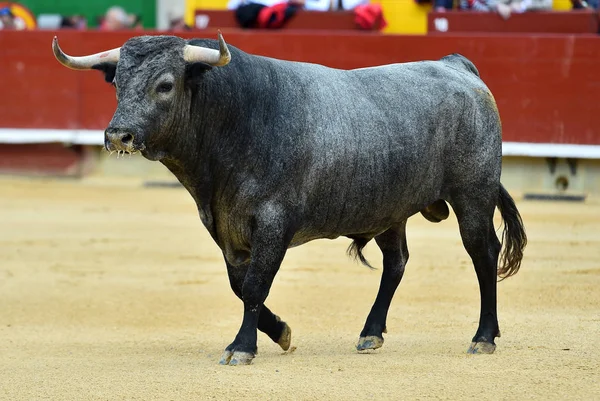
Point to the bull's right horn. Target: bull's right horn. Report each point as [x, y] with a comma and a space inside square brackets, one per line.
[217, 58]
[84, 62]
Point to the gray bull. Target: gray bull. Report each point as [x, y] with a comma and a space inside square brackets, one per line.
[278, 153]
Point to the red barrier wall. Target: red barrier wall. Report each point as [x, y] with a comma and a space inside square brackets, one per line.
[547, 86]
[574, 21]
[44, 158]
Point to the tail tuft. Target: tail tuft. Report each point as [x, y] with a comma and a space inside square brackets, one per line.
[514, 237]
[355, 250]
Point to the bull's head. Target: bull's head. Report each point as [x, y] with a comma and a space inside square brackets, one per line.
[153, 77]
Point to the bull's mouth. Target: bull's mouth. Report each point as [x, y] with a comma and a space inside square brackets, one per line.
[123, 149]
[122, 152]
[130, 147]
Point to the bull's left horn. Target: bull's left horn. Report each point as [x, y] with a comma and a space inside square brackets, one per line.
[217, 58]
[84, 62]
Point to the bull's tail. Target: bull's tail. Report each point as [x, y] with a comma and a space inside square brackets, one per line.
[514, 238]
[355, 250]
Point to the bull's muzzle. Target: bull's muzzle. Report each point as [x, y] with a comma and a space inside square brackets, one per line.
[119, 139]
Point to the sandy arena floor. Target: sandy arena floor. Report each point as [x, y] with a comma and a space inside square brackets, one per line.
[110, 291]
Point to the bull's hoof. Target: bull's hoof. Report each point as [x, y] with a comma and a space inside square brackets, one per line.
[285, 339]
[481, 348]
[234, 358]
[369, 342]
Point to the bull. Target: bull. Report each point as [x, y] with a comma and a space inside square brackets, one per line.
[278, 153]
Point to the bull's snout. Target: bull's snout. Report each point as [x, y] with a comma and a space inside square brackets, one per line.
[119, 139]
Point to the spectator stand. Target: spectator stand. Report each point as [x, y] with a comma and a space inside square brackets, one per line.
[403, 17]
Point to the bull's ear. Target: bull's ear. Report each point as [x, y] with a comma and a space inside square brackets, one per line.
[109, 70]
[195, 71]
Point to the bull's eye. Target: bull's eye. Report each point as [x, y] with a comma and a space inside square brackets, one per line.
[164, 87]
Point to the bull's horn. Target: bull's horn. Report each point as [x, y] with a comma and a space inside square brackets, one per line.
[217, 58]
[84, 62]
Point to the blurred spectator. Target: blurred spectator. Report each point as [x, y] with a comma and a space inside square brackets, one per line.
[116, 18]
[441, 6]
[368, 16]
[235, 4]
[74, 21]
[580, 4]
[15, 16]
[7, 19]
[506, 7]
[178, 24]
[333, 5]
[521, 6]
[57, 21]
[264, 13]
[136, 21]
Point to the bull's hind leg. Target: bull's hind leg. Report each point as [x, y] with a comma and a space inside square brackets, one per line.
[395, 255]
[268, 322]
[475, 220]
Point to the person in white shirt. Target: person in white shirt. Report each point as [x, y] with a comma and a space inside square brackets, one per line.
[333, 5]
[310, 5]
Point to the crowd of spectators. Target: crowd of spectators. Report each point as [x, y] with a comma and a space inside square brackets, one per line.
[115, 18]
[273, 13]
[503, 7]
[506, 7]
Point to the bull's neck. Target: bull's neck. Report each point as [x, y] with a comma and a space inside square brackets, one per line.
[209, 151]
[226, 111]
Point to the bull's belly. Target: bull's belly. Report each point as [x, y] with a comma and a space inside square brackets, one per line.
[303, 237]
[365, 223]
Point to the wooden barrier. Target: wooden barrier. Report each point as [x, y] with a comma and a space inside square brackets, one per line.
[46, 159]
[569, 22]
[302, 20]
[546, 86]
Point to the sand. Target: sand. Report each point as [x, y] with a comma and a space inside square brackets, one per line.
[112, 291]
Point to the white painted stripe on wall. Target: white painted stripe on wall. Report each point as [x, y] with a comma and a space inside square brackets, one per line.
[551, 150]
[76, 137]
[96, 137]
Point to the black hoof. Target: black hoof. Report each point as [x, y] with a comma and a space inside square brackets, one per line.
[369, 342]
[234, 358]
[481, 348]
[285, 339]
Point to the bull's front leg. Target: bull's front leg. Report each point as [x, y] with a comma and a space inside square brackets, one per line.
[268, 322]
[269, 244]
